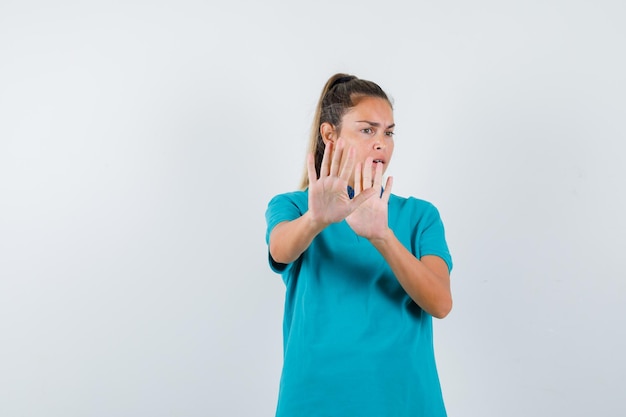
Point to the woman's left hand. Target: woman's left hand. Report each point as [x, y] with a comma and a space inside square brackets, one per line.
[369, 220]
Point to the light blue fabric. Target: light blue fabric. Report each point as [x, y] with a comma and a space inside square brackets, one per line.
[355, 344]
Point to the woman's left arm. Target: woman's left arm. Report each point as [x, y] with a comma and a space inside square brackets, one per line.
[426, 280]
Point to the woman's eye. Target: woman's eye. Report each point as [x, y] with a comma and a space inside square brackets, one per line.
[390, 134]
[367, 130]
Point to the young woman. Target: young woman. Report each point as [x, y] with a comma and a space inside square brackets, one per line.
[365, 271]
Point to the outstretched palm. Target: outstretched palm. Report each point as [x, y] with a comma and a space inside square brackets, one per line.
[328, 198]
[370, 219]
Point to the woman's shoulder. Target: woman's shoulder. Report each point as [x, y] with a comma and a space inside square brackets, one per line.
[298, 198]
[411, 202]
[413, 209]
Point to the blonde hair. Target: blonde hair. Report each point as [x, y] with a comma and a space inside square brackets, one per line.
[340, 93]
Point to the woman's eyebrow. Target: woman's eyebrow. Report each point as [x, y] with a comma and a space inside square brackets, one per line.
[376, 124]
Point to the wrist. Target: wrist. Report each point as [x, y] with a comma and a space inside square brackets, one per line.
[315, 225]
[383, 239]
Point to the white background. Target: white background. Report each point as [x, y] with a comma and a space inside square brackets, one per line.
[141, 141]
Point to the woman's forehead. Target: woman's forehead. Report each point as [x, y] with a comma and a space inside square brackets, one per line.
[371, 109]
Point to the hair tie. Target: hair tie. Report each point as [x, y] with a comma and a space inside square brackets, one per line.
[342, 80]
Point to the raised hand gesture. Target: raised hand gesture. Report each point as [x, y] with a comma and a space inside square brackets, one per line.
[370, 219]
[328, 197]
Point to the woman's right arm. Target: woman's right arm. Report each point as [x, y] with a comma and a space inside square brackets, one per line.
[289, 239]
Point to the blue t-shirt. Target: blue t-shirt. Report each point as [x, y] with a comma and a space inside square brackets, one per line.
[355, 343]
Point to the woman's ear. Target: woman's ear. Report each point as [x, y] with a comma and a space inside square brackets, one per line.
[328, 133]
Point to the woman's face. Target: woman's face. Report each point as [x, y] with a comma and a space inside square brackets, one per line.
[368, 128]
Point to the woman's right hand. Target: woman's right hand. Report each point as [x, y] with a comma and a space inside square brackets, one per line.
[328, 195]
[328, 203]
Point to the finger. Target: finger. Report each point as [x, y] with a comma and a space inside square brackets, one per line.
[348, 162]
[336, 162]
[387, 192]
[310, 165]
[357, 179]
[367, 173]
[325, 166]
[378, 176]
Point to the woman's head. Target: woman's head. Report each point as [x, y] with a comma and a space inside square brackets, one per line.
[341, 93]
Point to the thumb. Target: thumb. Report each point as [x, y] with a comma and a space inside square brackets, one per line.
[362, 196]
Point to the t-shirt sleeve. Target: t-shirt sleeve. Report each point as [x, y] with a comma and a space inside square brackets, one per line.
[432, 237]
[283, 207]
